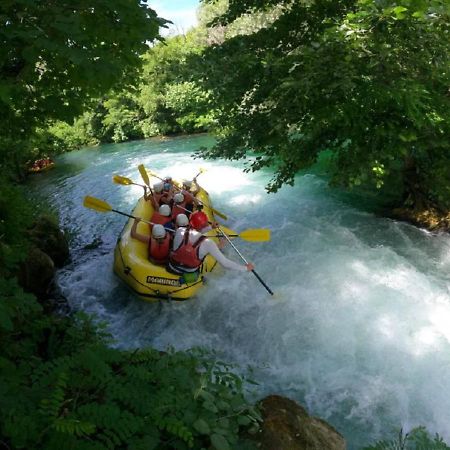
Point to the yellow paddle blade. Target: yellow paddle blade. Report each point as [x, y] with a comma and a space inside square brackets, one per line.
[97, 204]
[122, 180]
[144, 174]
[202, 170]
[255, 235]
[153, 174]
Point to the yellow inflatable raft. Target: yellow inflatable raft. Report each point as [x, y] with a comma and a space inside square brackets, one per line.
[149, 281]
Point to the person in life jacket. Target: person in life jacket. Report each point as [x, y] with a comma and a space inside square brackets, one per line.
[179, 205]
[158, 198]
[169, 189]
[189, 194]
[163, 217]
[190, 248]
[191, 186]
[158, 243]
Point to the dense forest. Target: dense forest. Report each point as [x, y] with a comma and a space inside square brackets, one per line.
[279, 83]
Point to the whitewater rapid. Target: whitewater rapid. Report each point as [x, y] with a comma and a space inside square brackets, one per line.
[359, 329]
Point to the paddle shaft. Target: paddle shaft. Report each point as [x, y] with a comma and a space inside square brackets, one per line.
[246, 262]
[142, 220]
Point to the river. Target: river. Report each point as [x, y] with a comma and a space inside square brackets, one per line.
[359, 329]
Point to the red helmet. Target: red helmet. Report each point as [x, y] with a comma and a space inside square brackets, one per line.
[198, 220]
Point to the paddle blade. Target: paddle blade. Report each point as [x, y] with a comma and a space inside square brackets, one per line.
[144, 174]
[256, 235]
[97, 204]
[122, 180]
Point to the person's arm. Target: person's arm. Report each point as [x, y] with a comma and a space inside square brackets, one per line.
[210, 247]
[178, 238]
[135, 235]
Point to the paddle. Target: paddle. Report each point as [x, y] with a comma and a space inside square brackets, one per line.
[125, 181]
[102, 206]
[218, 213]
[144, 176]
[252, 235]
[202, 170]
[246, 262]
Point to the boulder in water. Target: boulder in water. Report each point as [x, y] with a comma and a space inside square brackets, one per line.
[287, 426]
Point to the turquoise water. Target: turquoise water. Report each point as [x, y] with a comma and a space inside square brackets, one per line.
[359, 330]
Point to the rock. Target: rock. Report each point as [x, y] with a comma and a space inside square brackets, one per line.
[430, 219]
[36, 272]
[287, 426]
[46, 235]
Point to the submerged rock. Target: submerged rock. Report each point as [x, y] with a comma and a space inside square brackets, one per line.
[287, 426]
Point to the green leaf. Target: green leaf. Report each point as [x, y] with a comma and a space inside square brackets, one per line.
[210, 406]
[244, 420]
[399, 12]
[201, 426]
[219, 442]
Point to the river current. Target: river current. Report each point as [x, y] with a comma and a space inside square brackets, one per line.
[359, 329]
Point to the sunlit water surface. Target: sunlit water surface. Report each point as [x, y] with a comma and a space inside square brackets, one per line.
[359, 329]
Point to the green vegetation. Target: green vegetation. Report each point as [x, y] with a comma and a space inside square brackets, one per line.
[56, 57]
[416, 439]
[62, 385]
[365, 79]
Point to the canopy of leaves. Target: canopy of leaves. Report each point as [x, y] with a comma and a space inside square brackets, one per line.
[367, 79]
[56, 55]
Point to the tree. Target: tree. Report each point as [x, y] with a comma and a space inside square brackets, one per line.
[54, 56]
[366, 79]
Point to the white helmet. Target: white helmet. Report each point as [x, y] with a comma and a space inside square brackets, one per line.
[182, 220]
[187, 184]
[158, 187]
[164, 210]
[158, 231]
[178, 198]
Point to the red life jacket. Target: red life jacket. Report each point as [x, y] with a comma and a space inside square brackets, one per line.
[159, 218]
[187, 254]
[188, 198]
[178, 208]
[159, 252]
